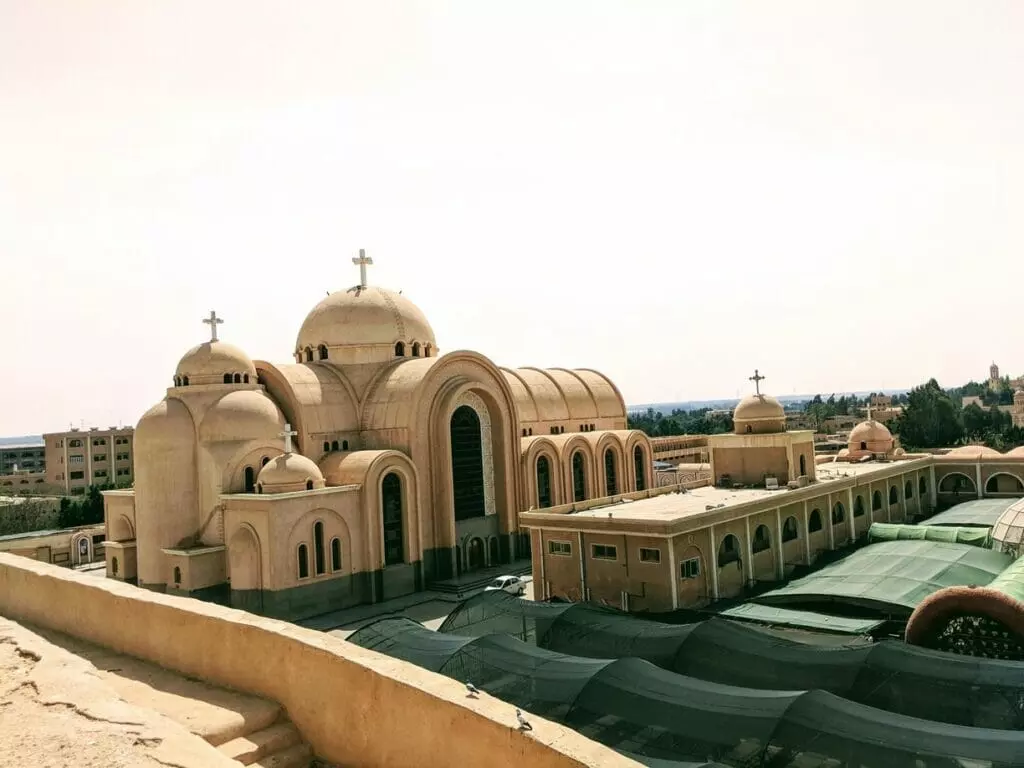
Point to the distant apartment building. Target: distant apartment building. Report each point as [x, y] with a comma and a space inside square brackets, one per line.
[79, 458]
[22, 465]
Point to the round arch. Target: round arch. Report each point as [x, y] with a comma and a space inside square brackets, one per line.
[245, 561]
[1004, 482]
[542, 446]
[957, 482]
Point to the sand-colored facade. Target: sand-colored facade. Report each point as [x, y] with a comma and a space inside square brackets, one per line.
[399, 465]
[79, 458]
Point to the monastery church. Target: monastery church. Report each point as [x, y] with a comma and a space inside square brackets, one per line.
[368, 468]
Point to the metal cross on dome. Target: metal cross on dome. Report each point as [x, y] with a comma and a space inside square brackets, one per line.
[362, 262]
[757, 378]
[213, 321]
[288, 433]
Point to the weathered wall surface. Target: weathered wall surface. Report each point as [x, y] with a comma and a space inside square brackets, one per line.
[354, 706]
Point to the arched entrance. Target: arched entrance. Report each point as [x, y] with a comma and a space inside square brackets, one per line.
[475, 554]
[467, 464]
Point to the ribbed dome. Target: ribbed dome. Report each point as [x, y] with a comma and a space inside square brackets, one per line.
[246, 414]
[288, 473]
[759, 414]
[364, 325]
[1008, 533]
[208, 362]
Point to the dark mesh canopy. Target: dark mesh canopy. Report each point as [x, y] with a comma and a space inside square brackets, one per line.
[664, 718]
[888, 675]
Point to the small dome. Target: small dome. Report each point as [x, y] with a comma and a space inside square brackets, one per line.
[365, 325]
[245, 414]
[1008, 533]
[870, 437]
[974, 450]
[759, 414]
[1018, 451]
[210, 361]
[288, 473]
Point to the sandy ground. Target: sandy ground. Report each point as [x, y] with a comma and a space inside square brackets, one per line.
[56, 710]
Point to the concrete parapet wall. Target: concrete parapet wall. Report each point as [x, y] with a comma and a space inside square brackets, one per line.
[354, 706]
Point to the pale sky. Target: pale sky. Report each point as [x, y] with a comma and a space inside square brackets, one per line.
[673, 193]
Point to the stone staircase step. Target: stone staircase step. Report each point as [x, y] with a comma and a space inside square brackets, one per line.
[298, 756]
[254, 746]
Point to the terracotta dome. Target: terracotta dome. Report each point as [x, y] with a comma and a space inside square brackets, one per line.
[1008, 533]
[365, 325]
[759, 414]
[208, 363]
[246, 414]
[1018, 451]
[870, 437]
[974, 450]
[288, 473]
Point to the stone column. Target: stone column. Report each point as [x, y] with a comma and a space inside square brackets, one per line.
[750, 553]
[713, 560]
[807, 537]
[780, 566]
[672, 566]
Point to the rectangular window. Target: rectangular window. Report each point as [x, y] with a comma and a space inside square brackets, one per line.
[77, 475]
[604, 552]
[689, 569]
[650, 555]
[99, 441]
[75, 459]
[123, 472]
[122, 457]
[99, 457]
[560, 547]
[99, 473]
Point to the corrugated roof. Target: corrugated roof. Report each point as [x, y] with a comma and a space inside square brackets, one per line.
[892, 577]
[787, 617]
[978, 512]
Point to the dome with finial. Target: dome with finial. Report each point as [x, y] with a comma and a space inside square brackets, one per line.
[870, 436]
[214, 362]
[289, 472]
[364, 324]
[758, 413]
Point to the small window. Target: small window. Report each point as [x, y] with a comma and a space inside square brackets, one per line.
[894, 495]
[334, 445]
[177, 383]
[762, 540]
[344, 445]
[303, 561]
[427, 350]
[604, 552]
[184, 381]
[790, 530]
[309, 354]
[318, 547]
[238, 378]
[177, 575]
[560, 547]
[530, 432]
[689, 569]
[335, 554]
[264, 460]
[113, 566]
[399, 349]
[322, 351]
[309, 485]
[245, 379]
[524, 433]
[814, 521]
[876, 501]
[416, 349]
[650, 555]
[327, 446]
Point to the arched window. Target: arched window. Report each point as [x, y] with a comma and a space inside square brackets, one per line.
[177, 575]
[922, 486]
[728, 551]
[177, 381]
[309, 485]
[762, 539]
[894, 495]
[543, 482]
[863, 446]
[427, 350]
[415, 349]
[344, 445]
[749, 429]
[838, 513]
[530, 431]
[264, 460]
[803, 465]
[227, 378]
[391, 514]
[335, 554]
[322, 351]
[611, 485]
[908, 490]
[790, 529]
[327, 446]
[334, 445]
[858, 506]
[399, 349]
[245, 379]
[814, 521]
[303, 555]
[318, 547]
[876, 501]
[579, 478]
[238, 378]
[309, 354]
[250, 480]
[639, 467]
[113, 566]
[184, 381]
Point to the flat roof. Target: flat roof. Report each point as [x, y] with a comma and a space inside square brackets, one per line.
[19, 446]
[676, 506]
[52, 532]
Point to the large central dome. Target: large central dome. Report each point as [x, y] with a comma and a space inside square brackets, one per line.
[364, 325]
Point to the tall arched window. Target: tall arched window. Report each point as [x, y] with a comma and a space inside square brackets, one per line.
[639, 467]
[729, 551]
[427, 350]
[790, 529]
[399, 349]
[579, 478]
[838, 513]
[250, 480]
[543, 482]
[335, 554]
[318, 548]
[762, 540]
[922, 487]
[814, 521]
[908, 491]
[238, 378]
[803, 465]
[611, 484]
[322, 351]
[309, 354]
[415, 349]
[876, 501]
[113, 566]
[858, 506]
[245, 379]
[391, 514]
[177, 575]
[303, 555]
[894, 495]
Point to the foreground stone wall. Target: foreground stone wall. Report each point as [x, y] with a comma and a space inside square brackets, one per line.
[354, 706]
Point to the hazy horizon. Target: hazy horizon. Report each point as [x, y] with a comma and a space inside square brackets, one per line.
[671, 193]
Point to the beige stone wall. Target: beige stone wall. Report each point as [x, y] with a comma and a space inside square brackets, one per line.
[101, 456]
[400, 715]
[750, 465]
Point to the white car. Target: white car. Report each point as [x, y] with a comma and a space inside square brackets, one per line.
[514, 585]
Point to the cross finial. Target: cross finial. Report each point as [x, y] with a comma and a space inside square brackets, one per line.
[288, 433]
[362, 262]
[757, 378]
[213, 321]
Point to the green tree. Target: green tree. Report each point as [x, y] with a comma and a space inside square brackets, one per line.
[930, 418]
